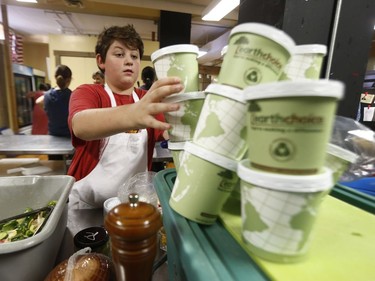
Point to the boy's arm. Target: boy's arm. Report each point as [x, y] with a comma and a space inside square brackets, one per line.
[96, 123]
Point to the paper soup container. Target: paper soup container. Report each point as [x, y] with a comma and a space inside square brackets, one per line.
[221, 126]
[177, 151]
[184, 120]
[306, 62]
[279, 211]
[178, 60]
[339, 160]
[257, 53]
[289, 124]
[203, 184]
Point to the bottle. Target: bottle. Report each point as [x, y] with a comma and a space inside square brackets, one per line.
[133, 229]
[95, 237]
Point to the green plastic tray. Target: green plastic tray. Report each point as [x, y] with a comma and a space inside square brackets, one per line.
[354, 197]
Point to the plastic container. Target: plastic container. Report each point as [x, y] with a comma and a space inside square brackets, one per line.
[95, 237]
[33, 258]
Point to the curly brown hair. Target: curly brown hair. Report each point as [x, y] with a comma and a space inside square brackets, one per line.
[125, 34]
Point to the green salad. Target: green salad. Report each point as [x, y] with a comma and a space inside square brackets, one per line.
[25, 225]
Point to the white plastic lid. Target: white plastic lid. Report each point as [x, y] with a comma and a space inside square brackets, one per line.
[342, 153]
[310, 49]
[290, 183]
[267, 31]
[111, 203]
[185, 96]
[226, 91]
[176, 145]
[181, 48]
[210, 156]
[313, 88]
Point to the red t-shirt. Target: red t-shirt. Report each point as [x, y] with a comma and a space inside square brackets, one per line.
[86, 155]
[40, 119]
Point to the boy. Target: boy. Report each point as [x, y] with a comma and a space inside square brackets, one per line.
[108, 124]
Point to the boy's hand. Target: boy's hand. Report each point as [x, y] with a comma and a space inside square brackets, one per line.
[152, 103]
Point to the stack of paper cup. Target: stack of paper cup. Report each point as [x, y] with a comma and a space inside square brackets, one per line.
[203, 184]
[178, 60]
[184, 120]
[279, 211]
[257, 53]
[306, 62]
[289, 124]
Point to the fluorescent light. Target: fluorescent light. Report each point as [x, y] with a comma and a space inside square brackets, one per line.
[217, 10]
[28, 1]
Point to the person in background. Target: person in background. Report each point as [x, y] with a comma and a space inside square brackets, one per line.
[56, 103]
[39, 117]
[114, 128]
[98, 77]
[148, 77]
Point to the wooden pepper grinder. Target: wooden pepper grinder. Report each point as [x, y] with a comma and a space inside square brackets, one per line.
[133, 229]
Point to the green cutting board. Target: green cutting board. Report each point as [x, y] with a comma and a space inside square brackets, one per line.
[342, 246]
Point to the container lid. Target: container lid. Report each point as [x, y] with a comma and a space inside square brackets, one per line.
[226, 91]
[305, 88]
[342, 153]
[210, 156]
[290, 183]
[176, 145]
[111, 203]
[310, 49]
[180, 48]
[91, 237]
[267, 31]
[184, 96]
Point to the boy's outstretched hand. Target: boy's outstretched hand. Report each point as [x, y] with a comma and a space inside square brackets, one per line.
[152, 103]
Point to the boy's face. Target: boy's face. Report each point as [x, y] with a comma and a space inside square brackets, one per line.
[121, 67]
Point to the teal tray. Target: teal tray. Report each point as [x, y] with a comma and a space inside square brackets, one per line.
[200, 252]
[354, 197]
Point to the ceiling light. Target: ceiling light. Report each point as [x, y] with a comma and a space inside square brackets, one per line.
[218, 9]
[28, 1]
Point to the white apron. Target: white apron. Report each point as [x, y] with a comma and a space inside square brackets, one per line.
[121, 157]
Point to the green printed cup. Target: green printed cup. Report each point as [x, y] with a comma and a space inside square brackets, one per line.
[221, 127]
[178, 60]
[339, 160]
[306, 62]
[289, 124]
[184, 120]
[257, 53]
[279, 211]
[177, 151]
[204, 182]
